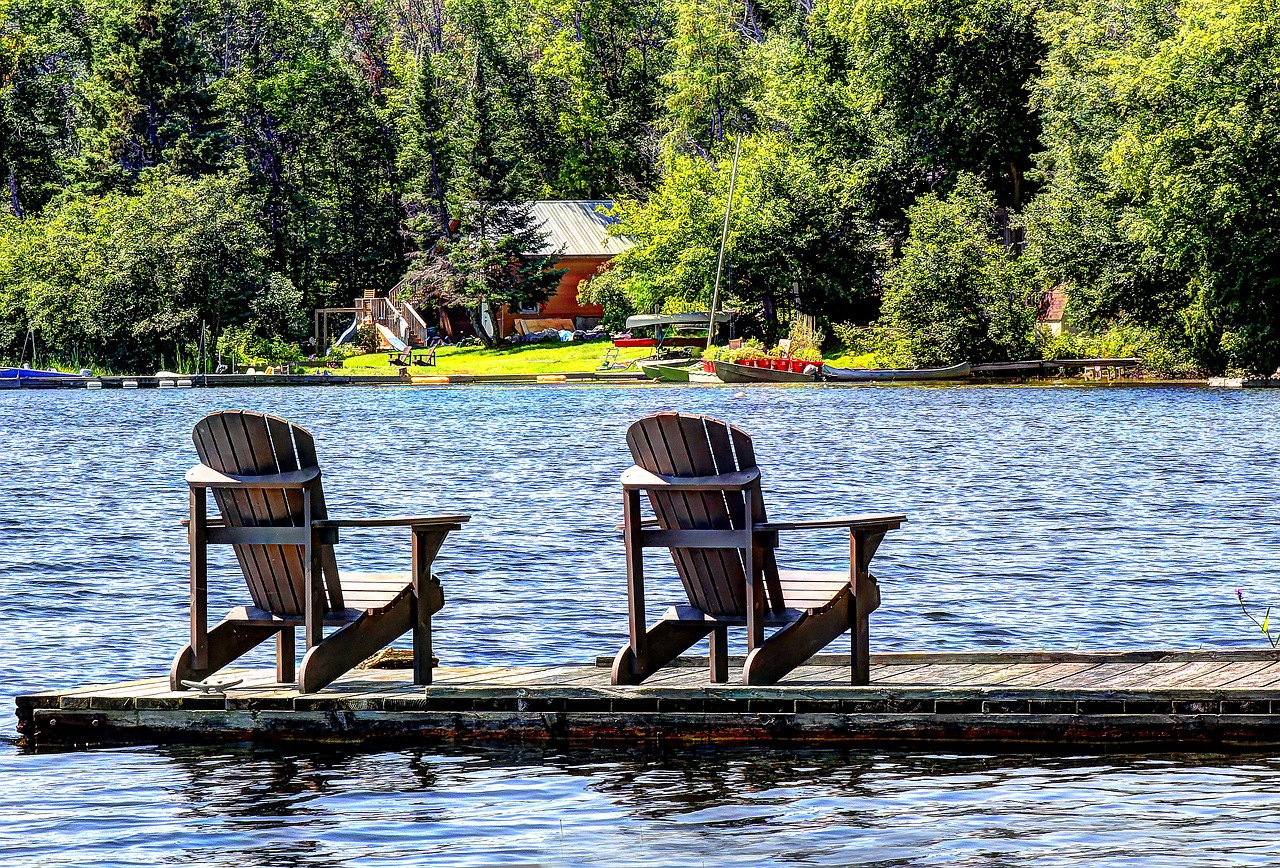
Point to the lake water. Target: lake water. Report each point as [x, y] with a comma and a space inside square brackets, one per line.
[1039, 518]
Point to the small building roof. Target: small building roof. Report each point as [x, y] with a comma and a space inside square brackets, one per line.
[575, 227]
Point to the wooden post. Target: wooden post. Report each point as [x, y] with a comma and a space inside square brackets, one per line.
[426, 544]
[197, 537]
[312, 570]
[720, 655]
[859, 609]
[285, 656]
[635, 577]
[754, 580]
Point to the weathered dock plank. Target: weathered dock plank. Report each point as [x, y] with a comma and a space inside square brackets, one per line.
[1121, 700]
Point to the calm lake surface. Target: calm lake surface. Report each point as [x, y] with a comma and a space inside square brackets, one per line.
[1047, 517]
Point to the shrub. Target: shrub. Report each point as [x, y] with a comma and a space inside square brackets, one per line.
[956, 294]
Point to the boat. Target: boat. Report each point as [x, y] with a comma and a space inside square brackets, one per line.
[661, 323]
[674, 370]
[17, 378]
[31, 373]
[895, 375]
[655, 342]
[730, 372]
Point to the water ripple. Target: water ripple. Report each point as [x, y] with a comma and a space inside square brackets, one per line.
[1063, 518]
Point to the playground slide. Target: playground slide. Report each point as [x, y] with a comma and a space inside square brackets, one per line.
[349, 333]
[392, 341]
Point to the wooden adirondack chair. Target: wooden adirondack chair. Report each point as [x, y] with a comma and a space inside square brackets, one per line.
[266, 482]
[703, 483]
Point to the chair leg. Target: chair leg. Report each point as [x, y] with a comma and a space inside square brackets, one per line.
[859, 644]
[285, 656]
[719, 655]
[666, 640]
[430, 602]
[357, 641]
[227, 641]
[794, 644]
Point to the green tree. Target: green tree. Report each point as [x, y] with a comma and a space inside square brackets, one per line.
[1163, 136]
[947, 86]
[40, 53]
[126, 279]
[144, 94]
[495, 256]
[957, 294]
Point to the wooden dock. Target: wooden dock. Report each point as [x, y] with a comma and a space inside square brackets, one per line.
[188, 381]
[1144, 700]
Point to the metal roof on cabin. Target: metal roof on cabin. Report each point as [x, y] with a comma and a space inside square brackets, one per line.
[575, 228]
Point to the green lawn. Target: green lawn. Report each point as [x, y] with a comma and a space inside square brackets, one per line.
[837, 360]
[545, 358]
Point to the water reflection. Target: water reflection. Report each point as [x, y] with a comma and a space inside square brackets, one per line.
[257, 806]
[1104, 518]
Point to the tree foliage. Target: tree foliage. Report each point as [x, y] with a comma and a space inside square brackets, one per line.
[1124, 150]
[1162, 151]
[956, 293]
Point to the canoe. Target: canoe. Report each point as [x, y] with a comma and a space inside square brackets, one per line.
[895, 375]
[733, 373]
[32, 374]
[669, 370]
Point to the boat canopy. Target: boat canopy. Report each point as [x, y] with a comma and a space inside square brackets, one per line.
[688, 320]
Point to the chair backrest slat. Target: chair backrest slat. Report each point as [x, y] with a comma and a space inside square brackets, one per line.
[213, 444]
[253, 444]
[648, 449]
[673, 444]
[691, 456]
[768, 563]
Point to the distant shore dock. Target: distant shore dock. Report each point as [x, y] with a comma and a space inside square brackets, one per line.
[1123, 700]
[187, 381]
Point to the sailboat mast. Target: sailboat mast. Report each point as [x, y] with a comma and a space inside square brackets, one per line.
[724, 235]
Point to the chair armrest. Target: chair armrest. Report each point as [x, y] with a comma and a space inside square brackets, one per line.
[212, 522]
[202, 476]
[451, 521]
[639, 479]
[853, 522]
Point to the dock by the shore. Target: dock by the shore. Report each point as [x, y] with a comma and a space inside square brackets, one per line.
[187, 381]
[1129, 700]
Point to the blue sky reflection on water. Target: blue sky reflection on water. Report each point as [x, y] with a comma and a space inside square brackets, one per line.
[1039, 517]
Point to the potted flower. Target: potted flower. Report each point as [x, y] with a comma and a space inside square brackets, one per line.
[804, 358]
[750, 353]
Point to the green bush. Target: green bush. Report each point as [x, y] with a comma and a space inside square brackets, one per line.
[956, 294]
[1162, 352]
[246, 349]
[367, 338]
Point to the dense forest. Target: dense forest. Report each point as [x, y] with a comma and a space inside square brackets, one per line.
[916, 174]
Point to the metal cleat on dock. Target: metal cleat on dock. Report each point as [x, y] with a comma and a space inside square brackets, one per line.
[212, 688]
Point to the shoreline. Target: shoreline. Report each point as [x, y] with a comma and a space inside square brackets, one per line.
[122, 382]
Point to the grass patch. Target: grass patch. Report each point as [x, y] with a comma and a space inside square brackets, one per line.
[850, 360]
[545, 358]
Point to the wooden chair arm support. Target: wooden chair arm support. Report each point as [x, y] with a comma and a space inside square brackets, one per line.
[201, 476]
[645, 524]
[639, 479]
[442, 522]
[852, 522]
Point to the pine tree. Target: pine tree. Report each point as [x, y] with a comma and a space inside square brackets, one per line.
[496, 255]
